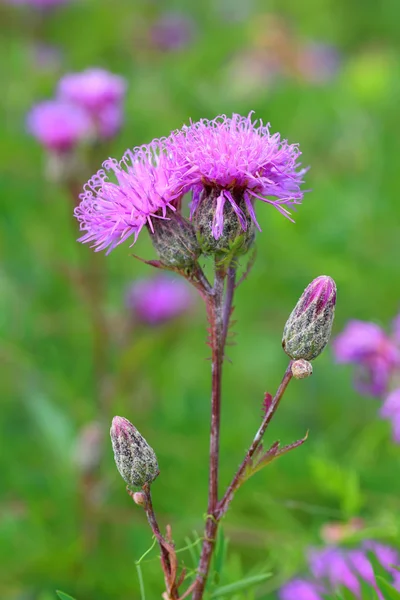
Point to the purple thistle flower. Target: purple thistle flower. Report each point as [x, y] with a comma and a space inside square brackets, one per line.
[172, 31]
[237, 161]
[333, 567]
[300, 589]
[331, 564]
[94, 89]
[391, 410]
[376, 356]
[158, 299]
[111, 212]
[58, 125]
[100, 93]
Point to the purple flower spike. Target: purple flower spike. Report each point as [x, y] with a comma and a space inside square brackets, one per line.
[158, 299]
[111, 212]
[94, 89]
[237, 161]
[376, 356]
[300, 589]
[58, 125]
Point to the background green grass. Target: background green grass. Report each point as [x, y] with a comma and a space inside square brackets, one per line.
[348, 227]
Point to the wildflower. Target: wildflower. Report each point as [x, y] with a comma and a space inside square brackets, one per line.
[158, 299]
[391, 410]
[58, 125]
[231, 162]
[101, 94]
[135, 459]
[300, 589]
[93, 89]
[308, 329]
[375, 355]
[333, 568]
[172, 31]
[111, 212]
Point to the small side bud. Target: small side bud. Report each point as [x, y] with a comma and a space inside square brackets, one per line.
[175, 241]
[139, 498]
[135, 459]
[308, 329]
[228, 232]
[301, 369]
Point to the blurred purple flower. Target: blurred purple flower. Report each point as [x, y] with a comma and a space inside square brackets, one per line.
[300, 589]
[333, 567]
[172, 31]
[239, 161]
[318, 63]
[331, 564]
[101, 93]
[376, 356]
[158, 299]
[94, 89]
[111, 212]
[58, 125]
[391, 410]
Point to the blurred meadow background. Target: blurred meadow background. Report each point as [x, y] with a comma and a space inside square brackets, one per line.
[324, 74]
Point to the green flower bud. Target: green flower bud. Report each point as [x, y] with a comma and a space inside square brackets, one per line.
[308, 329]
[135, 459]
[175, 241]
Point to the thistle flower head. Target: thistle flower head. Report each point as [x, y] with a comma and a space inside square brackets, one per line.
[301, 589]
[58, 125]
[237, 161]
[93, 89]
[112, 211]
[308, 329]
[372, 351]
[135, 459]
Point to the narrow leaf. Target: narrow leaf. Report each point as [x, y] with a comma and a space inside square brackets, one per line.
[240, 585]
[64, 596]
[387, 590]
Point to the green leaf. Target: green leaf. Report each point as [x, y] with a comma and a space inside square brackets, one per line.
[64, 596]
[387, 590]
[240, 585]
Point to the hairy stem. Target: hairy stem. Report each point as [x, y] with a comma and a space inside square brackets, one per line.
[167, 550]
[216, 315]
[236, 481]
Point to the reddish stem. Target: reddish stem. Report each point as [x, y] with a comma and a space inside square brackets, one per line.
[236, 481]
[216, 313]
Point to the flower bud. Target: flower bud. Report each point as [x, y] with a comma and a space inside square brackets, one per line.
[135, 459]
[175, 241]
[308, 329]
[301, 369]
[229, 233]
